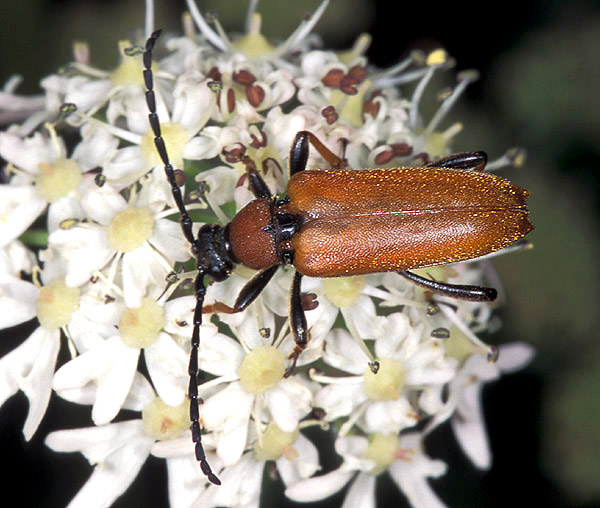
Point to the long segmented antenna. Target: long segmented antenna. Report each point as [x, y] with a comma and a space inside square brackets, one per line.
[200, 288]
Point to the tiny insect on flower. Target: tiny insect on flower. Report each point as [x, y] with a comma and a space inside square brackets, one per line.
[342, 222]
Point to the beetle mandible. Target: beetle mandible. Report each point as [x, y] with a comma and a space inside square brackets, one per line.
[343, 222]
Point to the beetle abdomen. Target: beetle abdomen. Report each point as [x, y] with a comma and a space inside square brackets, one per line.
[358, 222]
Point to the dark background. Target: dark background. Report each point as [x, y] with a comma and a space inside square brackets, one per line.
[540, 75]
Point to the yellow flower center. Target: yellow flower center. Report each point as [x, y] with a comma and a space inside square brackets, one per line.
[129, 71]
[254, 44]
[57, 180]
[389, 381]
[140, 327]
[55, 304]
[382, 450]
[129, 229]
[276, 443]
[261, 369]
[344, 291]
[164, 422]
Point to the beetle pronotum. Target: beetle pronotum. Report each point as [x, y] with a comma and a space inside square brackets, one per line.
[342, 222]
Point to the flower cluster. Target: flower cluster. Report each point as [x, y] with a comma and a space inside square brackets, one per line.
[111, 273]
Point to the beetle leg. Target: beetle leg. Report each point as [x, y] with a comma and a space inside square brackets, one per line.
[299, 153]
[474, 161]
[258, 186]
[458, 291]
[247, 295]
[297, 323]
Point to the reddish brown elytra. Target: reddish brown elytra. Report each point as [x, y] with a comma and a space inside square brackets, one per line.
[342, 222]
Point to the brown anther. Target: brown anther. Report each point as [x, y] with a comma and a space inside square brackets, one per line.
[421, 158]
[230, 100]
[234, 154]
[333, 78]
[348, 85]
[309, 301]
[372, 107]
[270, 162]
[357, 72]
[401, 149]
[259, 143]
[214, 73]
[330, 114]
[384, 157]
[241, 181]
[255, 95]
[244, 77]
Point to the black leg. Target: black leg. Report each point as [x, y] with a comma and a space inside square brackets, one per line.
[247, 295]
[299, 153]
[458, 291]
[298, 324]
[257, 185]
[474, 161]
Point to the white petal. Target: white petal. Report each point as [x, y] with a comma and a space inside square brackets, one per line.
[111, 366]
[29, 368]
[168, 239]
[19, 207]
[242, 484]
[84, 249]
[319, 487]
[17, 301]
[301, 467]
[128, 164]
[361, 493]
[186, 482]
[124, 451]
[68, 207]
[27, 153]
[469, 427]
[339, 400]
[140, 270]
[167, 365]
[202, 147]
[194, 103]
[96, 148]
[411, 475]
[227, 414]
[391, 416]
[515, 356]
[288, 402]
[219, 354]
[344, 353]
[101, 204]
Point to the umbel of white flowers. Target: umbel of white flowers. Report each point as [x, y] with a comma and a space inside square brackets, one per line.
[103, 275]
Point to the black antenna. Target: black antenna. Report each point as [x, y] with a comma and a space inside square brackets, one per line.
[199, 287]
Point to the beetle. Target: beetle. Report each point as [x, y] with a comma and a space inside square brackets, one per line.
[342, 222]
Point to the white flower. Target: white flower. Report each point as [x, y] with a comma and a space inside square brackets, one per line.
[256, 387]
[132, 233]
[406, 362]
[364, 459]
[463, 404]
[295, 459]
[118, 450]
[106, 370]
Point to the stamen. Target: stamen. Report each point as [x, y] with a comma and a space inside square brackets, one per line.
[206, 30]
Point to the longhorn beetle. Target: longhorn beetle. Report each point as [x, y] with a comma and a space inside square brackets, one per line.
[342, 222]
